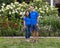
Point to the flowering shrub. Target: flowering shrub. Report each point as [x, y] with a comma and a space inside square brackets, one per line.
[12, 14]
[6, 2]
[13, 9]
[40, 5]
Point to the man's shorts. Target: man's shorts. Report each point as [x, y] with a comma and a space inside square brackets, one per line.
[34, 28]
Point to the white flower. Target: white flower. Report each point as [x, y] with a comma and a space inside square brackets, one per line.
[13, 12]
[11, 7]
[3, 4]
[47, 8]
[56, 14]
[11, 3]
[23, 2]
[40, 8]
[46, 2]
[21, 13]
[2, 9]
[7, 8]
[40, 16]
[16, 2]
[18, 8]
[36, 7]
[9, 12]
[22, 9]
[42, 11]
[20, 5]
[16, 11]
[37, 0]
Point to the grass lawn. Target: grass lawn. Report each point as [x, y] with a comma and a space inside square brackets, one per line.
[20, 43]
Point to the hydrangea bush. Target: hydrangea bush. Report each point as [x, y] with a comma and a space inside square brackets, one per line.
[12, 15]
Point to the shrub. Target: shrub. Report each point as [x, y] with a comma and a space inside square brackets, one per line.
[6, 2]
[12, 14]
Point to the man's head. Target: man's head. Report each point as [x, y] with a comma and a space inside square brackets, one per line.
[31, 8]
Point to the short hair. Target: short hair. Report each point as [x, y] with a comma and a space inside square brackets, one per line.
[32, 6]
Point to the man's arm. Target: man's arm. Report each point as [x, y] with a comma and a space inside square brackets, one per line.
[37, 18]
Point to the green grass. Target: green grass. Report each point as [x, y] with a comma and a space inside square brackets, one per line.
[20, 43]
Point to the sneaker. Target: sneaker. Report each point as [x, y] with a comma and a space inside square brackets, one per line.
[27, 40]
[35, 41]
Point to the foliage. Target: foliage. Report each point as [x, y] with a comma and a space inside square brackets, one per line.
[12, 23]
[50, 25]
[6, 2]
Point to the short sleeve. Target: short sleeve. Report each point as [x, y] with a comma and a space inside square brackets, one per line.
[24, 18]
[37, 14]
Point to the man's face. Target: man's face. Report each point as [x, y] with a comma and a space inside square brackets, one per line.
[31, 8]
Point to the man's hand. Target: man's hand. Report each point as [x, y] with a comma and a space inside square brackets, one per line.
[37, 25]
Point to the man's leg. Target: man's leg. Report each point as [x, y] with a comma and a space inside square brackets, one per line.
[33, 33]
[37, 35]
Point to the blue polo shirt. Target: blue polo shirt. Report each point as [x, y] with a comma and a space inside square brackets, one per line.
[27, 20]
[34, 15]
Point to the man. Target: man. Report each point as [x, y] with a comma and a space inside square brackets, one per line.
[34, 23]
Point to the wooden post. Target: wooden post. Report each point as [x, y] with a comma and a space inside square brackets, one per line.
[51, 2]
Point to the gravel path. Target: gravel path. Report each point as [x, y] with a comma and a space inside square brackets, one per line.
[24, 37]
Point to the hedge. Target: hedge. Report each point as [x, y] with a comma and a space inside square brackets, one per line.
[6, 2]
[11, 18]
